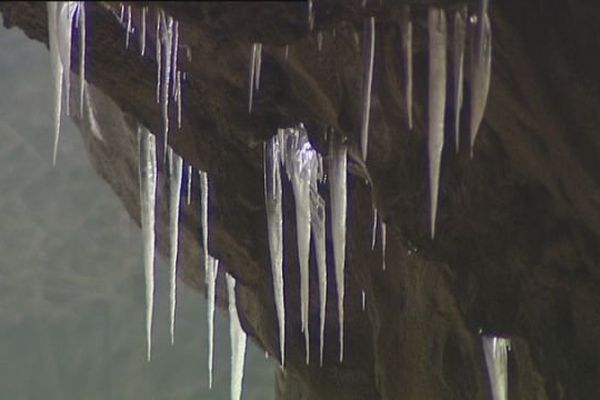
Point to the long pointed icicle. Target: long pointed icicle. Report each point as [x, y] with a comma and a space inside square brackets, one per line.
[383, 243]
[167, 38]
[374, 229]
[458, 56]
[318, 236]
[238, 342]
[252, 73]
[158, 56]
[481, 59]
[273, 199]
[175, 175]
[128, 27]
[204, 212]
[338, 195]
[174, 70]
[57, 70]
[368, 83]
[143, 32]
[65, 18]
[212, 270]
[81, 19]
[496, 359]
[436, 23]
[189, 185]
[147, 172]
[407, 57]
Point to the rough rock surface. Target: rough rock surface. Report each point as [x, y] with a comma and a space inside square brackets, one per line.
[516, 249]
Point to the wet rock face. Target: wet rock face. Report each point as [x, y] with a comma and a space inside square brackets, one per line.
[515, 252]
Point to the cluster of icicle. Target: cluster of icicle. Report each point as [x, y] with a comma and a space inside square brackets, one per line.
[495, 350]
[477, 29]
[291, 150]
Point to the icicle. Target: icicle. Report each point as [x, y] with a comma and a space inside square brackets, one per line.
[158, 57]
[318, 234]
[273, 197]
[436, 23]
[311, 15]
[81, 27]
[368, 82]
[287, 51]
[95, 128]
[383, 243]
[252, 73]
[189, 185]
[57, 70]
[481, 58]
[175, 51]
[374, 230]
[407, 51]
[363, 300]
[458, 56]
[178, 98]
[212, 270]
[496, 358]
[238, 342]
[66, 16]
[143, 34]
[128, 29]
[319, 41]
[147, 173]
[258, 66]
[338, 196]
[175, 174]
[204, 212]
[167, 38]
[122, 13]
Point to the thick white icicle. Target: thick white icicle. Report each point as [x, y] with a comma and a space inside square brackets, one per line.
[273, 198]
[363, 300]
[128, 28]
[496, 359]
[167, 38]
[212, 269]
[175, 175]
[57, 70]
[407, 57]
[204, 212]
[81, 27]
[66, 16]
[458, 56]
[318, 235]
[338, 195]
[143, 32]
[436, 23]
[383, 243]
[258, 66]
[147, 174]
[189, 185]
[367, 84]
[238, 342]
[481, 63]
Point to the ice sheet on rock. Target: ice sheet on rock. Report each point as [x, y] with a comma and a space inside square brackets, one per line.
[338, 198]
[175, 175]
[273, 198]
[407, 57]
[147, 176]
[238, 342]
[318, 218]
[481, 63]
[211, 273]
[436, 23]
[495, 350]
[367, 83]
[458, 55]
